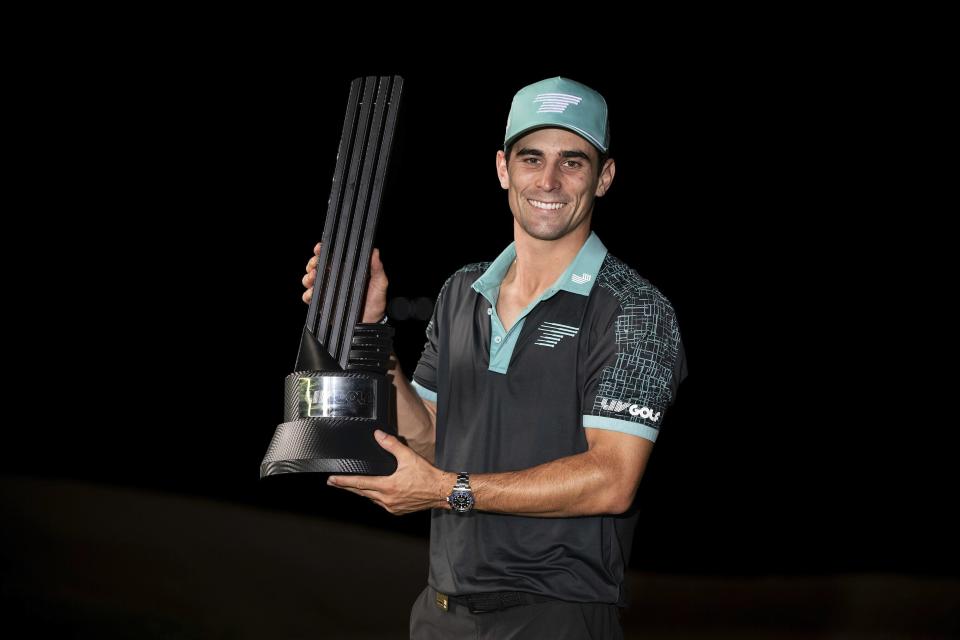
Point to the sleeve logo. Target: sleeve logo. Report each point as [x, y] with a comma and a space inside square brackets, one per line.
[618, 406]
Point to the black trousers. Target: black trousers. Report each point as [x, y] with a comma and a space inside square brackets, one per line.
[552, 620]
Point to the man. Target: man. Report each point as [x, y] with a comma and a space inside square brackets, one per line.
[534, 407]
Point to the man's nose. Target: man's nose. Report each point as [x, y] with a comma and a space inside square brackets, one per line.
[549, 177]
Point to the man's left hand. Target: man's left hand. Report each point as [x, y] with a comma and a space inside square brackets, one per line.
[415, 485]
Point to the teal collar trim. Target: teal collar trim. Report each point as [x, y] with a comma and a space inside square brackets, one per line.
[582, 272]
[578, 277]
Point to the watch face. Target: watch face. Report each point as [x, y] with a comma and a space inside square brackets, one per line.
[461, 500]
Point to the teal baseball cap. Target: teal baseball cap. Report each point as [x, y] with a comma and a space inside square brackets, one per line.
[563, 103]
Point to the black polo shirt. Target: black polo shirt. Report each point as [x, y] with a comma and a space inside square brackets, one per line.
[599, 349]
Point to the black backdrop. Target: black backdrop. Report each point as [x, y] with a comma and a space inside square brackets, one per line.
[187, 191]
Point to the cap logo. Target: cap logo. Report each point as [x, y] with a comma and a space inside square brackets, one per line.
[555, 102]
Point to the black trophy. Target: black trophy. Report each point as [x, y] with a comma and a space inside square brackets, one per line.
[340, 391]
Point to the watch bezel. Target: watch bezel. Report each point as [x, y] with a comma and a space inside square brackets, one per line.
[461, 500]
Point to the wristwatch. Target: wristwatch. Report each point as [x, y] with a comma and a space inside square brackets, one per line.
[461, 498]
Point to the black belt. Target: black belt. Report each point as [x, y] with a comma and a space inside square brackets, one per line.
[494, 601]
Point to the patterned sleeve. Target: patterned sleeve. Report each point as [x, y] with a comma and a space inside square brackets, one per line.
[634, 366]
[425, 375]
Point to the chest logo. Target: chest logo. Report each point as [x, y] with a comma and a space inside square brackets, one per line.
[551, 333]
[580, 278]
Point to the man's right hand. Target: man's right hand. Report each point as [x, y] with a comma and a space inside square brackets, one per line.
[375, 306]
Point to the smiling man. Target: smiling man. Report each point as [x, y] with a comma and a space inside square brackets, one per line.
[535, 405]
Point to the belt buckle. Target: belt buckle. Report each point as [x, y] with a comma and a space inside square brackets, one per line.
[442, 601]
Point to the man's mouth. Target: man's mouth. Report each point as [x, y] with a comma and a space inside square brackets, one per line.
[547, 206]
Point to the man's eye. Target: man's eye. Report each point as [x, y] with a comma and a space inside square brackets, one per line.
[574, 164]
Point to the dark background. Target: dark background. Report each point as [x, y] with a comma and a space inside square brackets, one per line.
[164, 286]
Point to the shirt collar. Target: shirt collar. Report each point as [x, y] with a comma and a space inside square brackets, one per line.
[578, 277]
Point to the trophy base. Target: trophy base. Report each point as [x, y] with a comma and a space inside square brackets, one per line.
[306, 445]
[322, 465]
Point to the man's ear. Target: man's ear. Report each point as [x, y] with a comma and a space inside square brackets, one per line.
[606, 177]
[502, 173]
